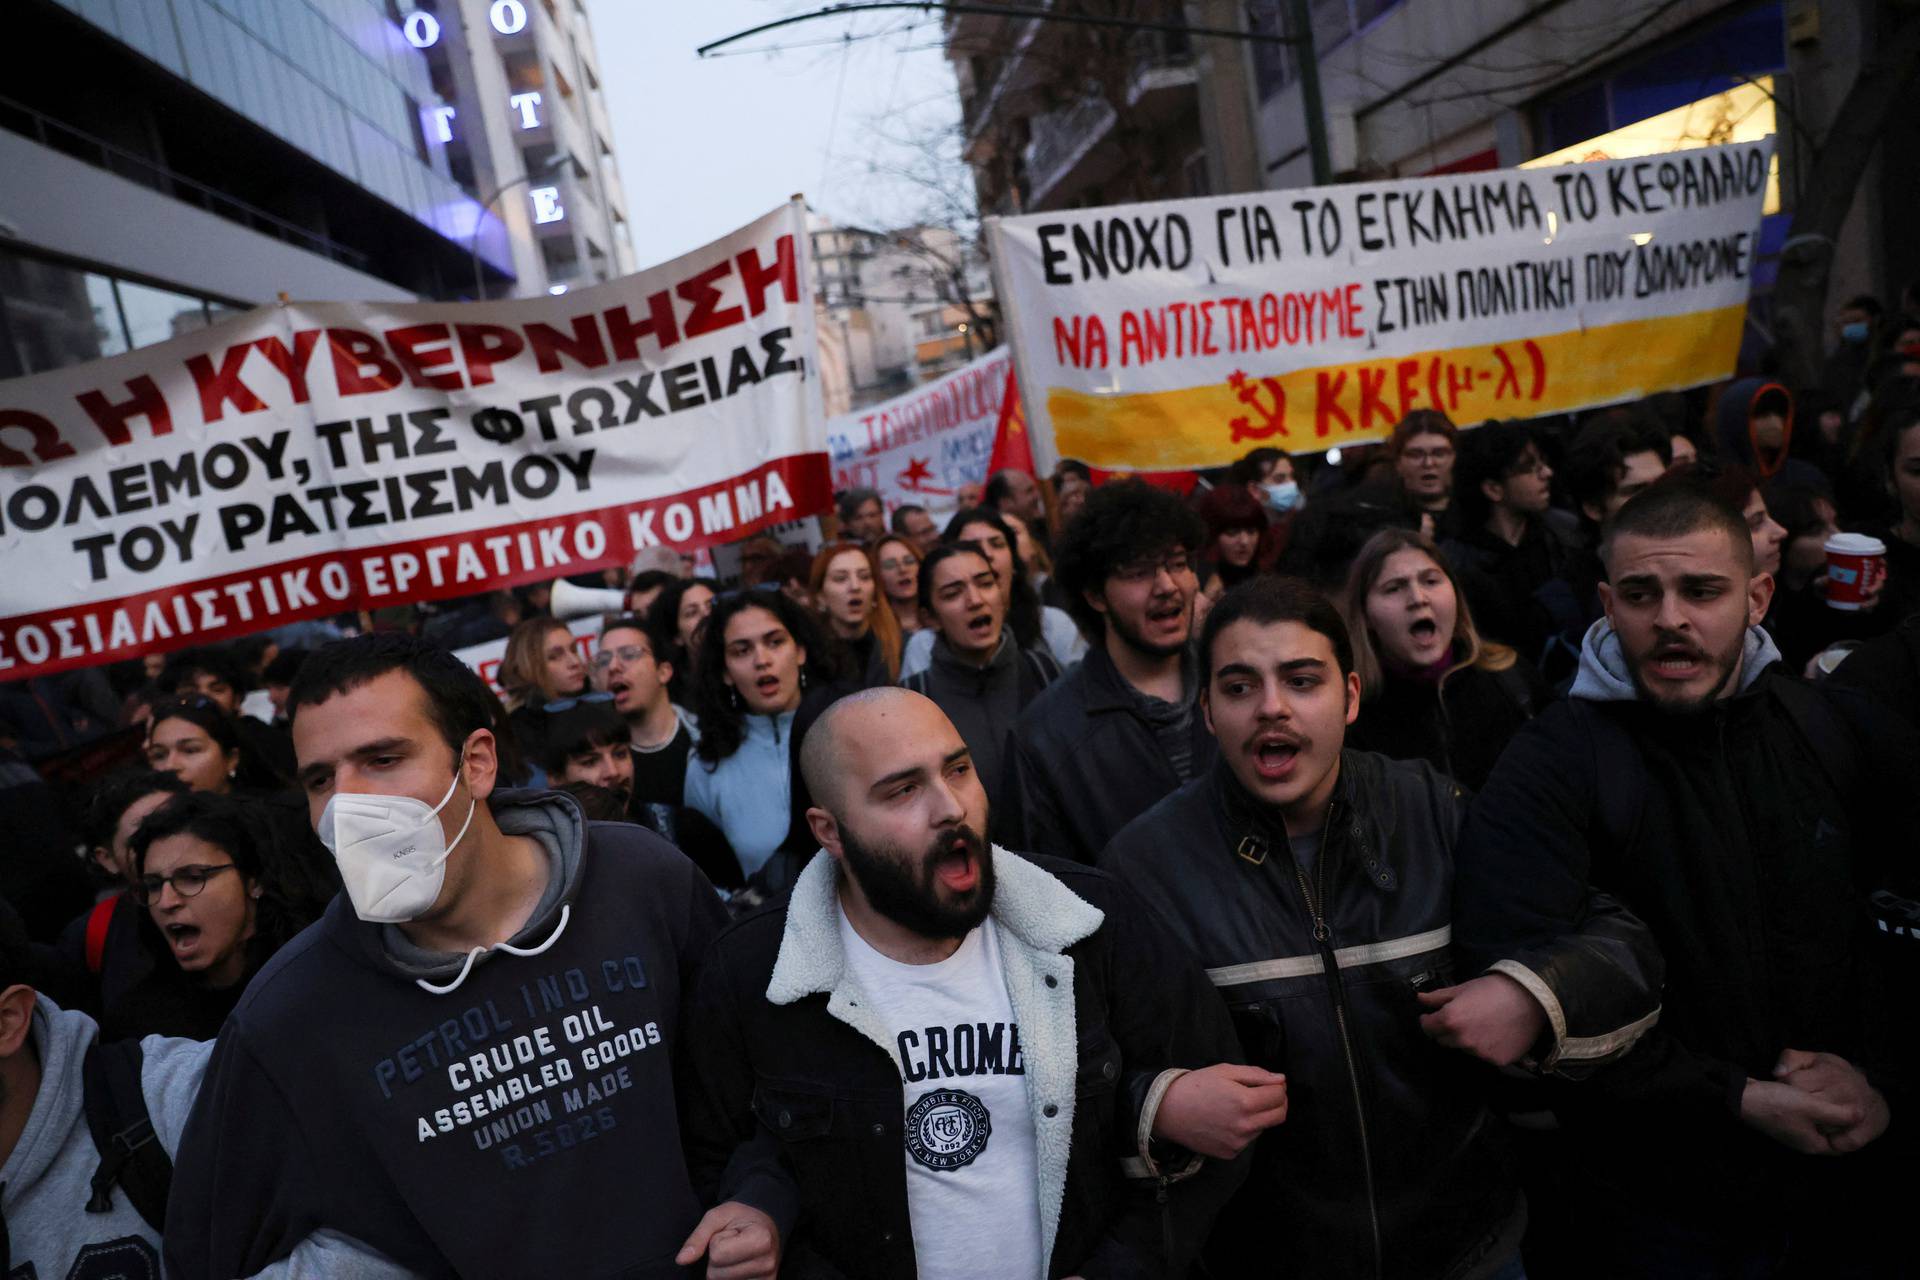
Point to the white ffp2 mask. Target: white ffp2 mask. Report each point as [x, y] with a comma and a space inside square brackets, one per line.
[391, 850]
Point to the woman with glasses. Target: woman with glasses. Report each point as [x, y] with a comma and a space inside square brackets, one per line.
[200, 744]
[896, 565]
[224, 896]
[1430, 687]
[843, 581]
[113, 943]
[1412, 489]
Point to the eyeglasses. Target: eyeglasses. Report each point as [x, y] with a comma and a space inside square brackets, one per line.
[188, 881]
[197, 701]
[1420, 457]
[567, 704]
[1140, 571]
[755, 592]
[625, 653]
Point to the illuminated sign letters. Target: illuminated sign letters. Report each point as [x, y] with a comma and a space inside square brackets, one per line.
[526, 104]
[422, 30]
[442, 122]
[546, 204]
[509, 17]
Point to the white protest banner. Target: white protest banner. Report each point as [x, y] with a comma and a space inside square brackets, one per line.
[485, 658]
[312, 458]
[921, 447]
[1186, 332]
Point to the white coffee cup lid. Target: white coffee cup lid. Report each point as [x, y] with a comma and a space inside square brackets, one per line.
[1856, 544]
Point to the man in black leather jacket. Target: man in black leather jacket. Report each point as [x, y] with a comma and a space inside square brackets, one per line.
[1314, 883]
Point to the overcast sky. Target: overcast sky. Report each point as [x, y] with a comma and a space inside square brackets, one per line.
[707, 144]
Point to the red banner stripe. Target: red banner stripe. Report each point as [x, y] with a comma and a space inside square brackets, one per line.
[455, 564]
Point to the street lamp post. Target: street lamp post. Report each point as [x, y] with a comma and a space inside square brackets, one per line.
[553, 165]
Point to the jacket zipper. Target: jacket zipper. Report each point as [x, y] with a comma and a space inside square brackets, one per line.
[1323, 937]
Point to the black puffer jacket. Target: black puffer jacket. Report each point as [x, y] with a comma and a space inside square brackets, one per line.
[1460, 727]
[985, 702]
[1086, 762]
[1731, 836]
[1516, 605]
[1389, 1164]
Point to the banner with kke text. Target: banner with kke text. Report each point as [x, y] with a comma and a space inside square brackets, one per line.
[314, 458]
[1186, 332]
[921, 447]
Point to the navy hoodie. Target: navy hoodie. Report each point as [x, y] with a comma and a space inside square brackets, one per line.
[521, 1124]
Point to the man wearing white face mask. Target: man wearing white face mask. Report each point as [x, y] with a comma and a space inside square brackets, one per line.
[486, 1017]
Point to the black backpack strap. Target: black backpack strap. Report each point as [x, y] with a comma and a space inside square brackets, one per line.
[122, 1129]
[1513, 682]
[1042, 664]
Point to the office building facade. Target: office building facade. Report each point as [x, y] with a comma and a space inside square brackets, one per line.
[170, 161]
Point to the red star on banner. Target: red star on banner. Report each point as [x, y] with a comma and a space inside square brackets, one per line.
[916, 475]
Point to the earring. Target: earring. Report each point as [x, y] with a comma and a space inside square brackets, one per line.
[803, 677]
[733, 698]
[233, 773]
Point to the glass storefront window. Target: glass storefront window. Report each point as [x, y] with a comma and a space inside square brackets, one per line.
[107, 322]
[53, 315]
[154, 315]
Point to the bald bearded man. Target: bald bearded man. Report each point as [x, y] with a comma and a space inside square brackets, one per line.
[940, 1052]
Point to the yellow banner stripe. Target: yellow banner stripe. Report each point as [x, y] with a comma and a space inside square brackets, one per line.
[1308, 410]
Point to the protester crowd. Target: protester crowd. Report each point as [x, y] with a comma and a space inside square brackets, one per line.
[1486, 854]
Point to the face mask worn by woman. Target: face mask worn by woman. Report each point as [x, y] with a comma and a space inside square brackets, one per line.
[1282, 497]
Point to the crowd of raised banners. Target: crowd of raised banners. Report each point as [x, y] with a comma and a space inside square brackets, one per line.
[307, 459]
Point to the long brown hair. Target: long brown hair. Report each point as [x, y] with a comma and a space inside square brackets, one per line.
[1469, 649]
[523, 670]
[885, 627]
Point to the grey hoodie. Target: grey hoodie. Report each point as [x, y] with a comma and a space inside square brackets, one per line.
[48, 1178]
[1604, 676]
[561, 831]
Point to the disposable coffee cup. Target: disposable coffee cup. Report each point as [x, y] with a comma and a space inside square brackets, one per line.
[1856, 565]
[1828, 660]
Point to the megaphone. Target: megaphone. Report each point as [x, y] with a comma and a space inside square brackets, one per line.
[569, 601]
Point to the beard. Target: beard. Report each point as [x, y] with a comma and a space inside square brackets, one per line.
[1131, 637]
[905, 889]
[1726, 664]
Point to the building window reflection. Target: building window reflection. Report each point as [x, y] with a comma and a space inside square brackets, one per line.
[54, 314]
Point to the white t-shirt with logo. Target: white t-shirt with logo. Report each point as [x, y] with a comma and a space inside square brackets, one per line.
[972, 1176]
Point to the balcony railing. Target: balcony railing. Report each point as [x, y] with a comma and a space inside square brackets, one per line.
[1058, 138]
[50, 133]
